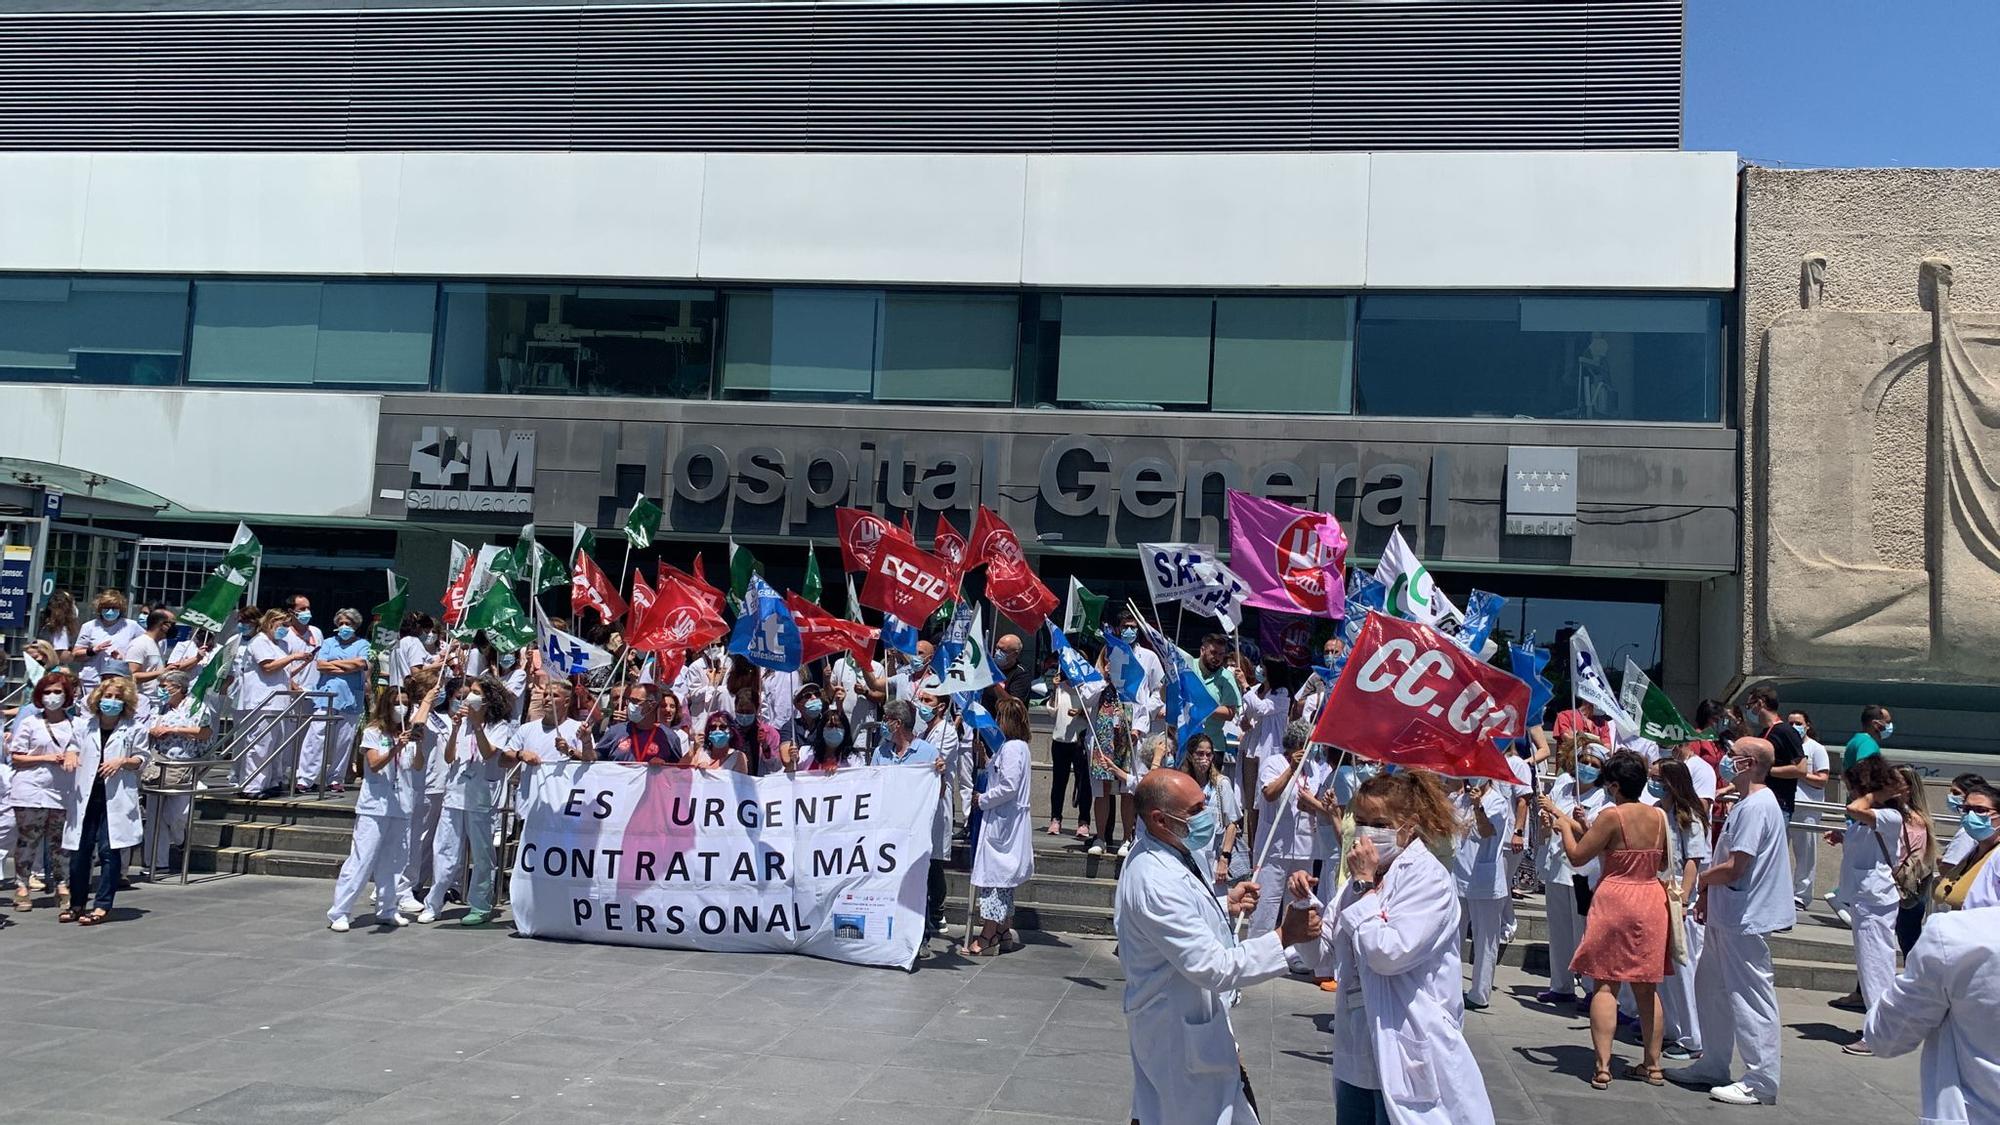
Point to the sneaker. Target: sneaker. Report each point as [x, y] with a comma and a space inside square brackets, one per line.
[1858, 1047]
[1124, 849]
[338, 925]
[410, 906]
[475, 918]
[1096, 847]
[1846, 919]
[391, 919]
[1627, 1022]
[427, 916]
[1677, 1053]
[1328, 984]
[1736, 1093]
[1801, 904]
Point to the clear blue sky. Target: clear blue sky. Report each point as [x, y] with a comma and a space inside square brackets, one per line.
[1845, 83]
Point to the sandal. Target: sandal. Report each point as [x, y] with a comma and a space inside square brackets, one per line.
[23, 901]
[1601, 1079]
[94, 918]
[66, 916]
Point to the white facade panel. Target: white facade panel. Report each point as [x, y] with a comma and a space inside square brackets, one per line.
[549, 215]
[887, 218]
[43, 200]
[1624, 220]
[1189, 220]
[206, 451]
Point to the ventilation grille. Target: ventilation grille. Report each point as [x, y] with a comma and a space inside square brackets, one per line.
[1054, 76]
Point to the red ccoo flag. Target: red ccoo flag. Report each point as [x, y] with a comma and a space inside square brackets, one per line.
[861, 531]
[823, 634]
[992, 539]
[590, 589]
[1018, 593]
[1411, 696]
[905, 580]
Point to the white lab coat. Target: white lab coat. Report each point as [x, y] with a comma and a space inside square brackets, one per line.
[121, 791]
[1404, 942]
[1006, 855]
[1182, 969]
[1948, 999]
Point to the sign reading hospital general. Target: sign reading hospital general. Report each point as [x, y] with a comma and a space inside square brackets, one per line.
[831, 866]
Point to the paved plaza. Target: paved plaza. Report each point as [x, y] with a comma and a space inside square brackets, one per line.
[229, 1002]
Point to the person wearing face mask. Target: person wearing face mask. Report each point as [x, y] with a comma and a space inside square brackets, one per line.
[1391, 938]
[637, 738]
[266, 699]
[480, 728]
[1979, 831]
[1688, 836]
[101, 809]
[428, 805]
[392, 770]
[899, 743]
[1877, 724]
[109, 636]
[342, 661]
[1563, 897]
[1229, 861]
[1183, 965]
[1017, 679]
[859, 690]
[1960, 845]
[717, 748]
[1150, 705]
[1812, 787]
[1947, 1000]
[146, 657]
[1289, 808]
[180, 731]
[1871, 845]
[511, 666]
[829, 747]
[42, 751]
[756, 737]
[1486, 817]
[416, 646]
[302, 638]
[1005, 858]
[1746, 897]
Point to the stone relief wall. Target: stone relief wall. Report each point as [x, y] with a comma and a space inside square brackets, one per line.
[1872, 401]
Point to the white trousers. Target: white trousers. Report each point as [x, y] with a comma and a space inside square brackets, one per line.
[1565, 926]
[1677, 1002]
[960, 768]
[1271, 894]
[1485, 917]
[9, 839]
[1736, 1000]
[1509, 925]
[422, 827]
[1874, 949]
[1805, 861]
[329, 742]
[166, 826]
[262, 767]
[376, 857]
[461, 833]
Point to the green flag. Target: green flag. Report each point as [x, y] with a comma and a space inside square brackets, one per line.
[511, 563]
[644, 522]
[1658, 718]
[581, 542]
[809, 589]
[227, 583]
[389, 615]
[500, 615]
[211, 671]
[1084, 612]
[547, 572]
[742, 565]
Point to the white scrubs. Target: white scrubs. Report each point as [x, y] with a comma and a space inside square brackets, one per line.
[1677, 996]
[1868, 887]
[1737, 994]
[1292, 834]
[1481, 875]
[1552, 867]
[381, 830]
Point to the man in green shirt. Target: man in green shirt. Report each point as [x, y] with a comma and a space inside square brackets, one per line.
[1217, 670]
[1876, 724]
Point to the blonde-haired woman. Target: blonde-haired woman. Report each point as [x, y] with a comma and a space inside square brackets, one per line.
[267, 692]
[104, 638]
[102, 815]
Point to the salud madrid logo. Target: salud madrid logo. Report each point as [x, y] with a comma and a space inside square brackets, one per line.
[480, 470]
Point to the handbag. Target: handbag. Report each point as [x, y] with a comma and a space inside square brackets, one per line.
[1677, 940]
[1913, 871]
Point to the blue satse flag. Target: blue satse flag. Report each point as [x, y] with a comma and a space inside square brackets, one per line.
[899, 636]
[1188, 701]
[1482, 612]
[981, 721]
[1122, 664]
[766, 634]
[1528, 662]
[1075, 668]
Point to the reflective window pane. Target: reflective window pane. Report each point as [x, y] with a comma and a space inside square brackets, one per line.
[948, 348]
[92, 330]
[1626, 358]
[577, 340]
[1290, 355]
[291, 333]
[802, 343]
[1133, 352]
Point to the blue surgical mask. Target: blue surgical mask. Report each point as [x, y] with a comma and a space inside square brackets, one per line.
[282, 631]
[305, 616]
[745, 718]
[1658, 790]
[508, 660]
[926, 714]
[1888, 729]
[1729, 768]
[1977, 825]
[111, 708]
[110, 615]
[718, 738]
[345, 633]
[1260, 674]
[1200, 832]
[1954, 801]
[1128, 635]
[835, 737]
[1801, 728]
[814, 708]
[1586, 773]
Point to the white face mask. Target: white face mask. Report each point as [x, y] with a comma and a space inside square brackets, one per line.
[1387, 842]
[402, 714]
[54, 701]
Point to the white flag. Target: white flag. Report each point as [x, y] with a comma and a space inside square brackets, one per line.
[566, 654]
[1191, 574]
[1411, 594]
[1589, 684]
[970, 670]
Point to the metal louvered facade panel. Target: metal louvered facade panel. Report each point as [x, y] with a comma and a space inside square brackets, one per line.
[1014, 76]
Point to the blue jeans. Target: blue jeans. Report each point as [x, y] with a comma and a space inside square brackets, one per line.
[94, 839]
[1353, 1105]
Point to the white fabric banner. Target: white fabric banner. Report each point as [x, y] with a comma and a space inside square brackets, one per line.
[1190, 573]
[1587, 676]
[828, 866]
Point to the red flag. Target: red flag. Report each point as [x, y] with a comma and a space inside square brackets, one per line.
[949, 545]
[907, 533]
[455, 594]
[823, 634]
[642, 598]
[860, 531]
[670, 572]
[1409, 695]
[590, 589]
[679, 619]
[992, 539]
[905, 580]
[1018, 593]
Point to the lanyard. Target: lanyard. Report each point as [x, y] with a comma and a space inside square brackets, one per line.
[1206, 891]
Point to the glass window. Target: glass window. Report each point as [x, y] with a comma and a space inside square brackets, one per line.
[92, 330]
[861, 345]
[1292, 355]
[577, 340]
[1123, 352]
[309, 333]
[1628, 358]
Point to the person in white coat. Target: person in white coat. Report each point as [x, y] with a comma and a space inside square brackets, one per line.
[1391, 938]
[481, 728]
[392, 775]
[1006, 855]
[101, 814]
[1486, 822]
[1871, 844]
[1183, 965]
[1947, 1000]
[1559, 879]
[41, 753]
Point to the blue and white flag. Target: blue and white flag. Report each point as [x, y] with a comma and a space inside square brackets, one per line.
[962, 628]
[1528, 661]
[566, 654]
[1364, 593]
[1121, 663]
[899, 636]
[1075, 668]
[969, 668]
[1188, 701]
[766, 633]
[1482, 613]
[981, 722]
[1190, 573]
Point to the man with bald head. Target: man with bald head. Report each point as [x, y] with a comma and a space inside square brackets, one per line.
[1183, 965]
[1746, 897]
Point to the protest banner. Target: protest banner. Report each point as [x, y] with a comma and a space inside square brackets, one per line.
[1192, 575]
[213, 605]
[833, 866]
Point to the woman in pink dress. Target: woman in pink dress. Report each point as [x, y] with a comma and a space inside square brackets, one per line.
[1625, 936]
